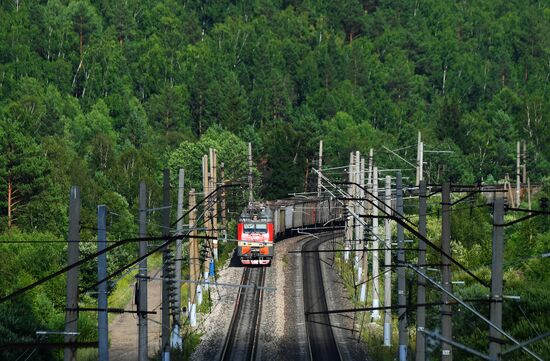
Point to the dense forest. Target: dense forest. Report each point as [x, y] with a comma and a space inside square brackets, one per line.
[104, 94]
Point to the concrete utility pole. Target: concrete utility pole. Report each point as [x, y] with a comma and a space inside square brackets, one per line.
[495, 343]
[142, 278]
[375, 246]
[363, 244]
[166, 265]
[320, 166]
[371, 156]
[194, 262]
[446, 309]
[509, 193]
[360, 239]
[250, 192]
[206, 191]
[369, 207]
[213, 202]
[216, 199]
[224, 211]
[365, 274]
[518, 172]
[401, 281]
[102, 322]
[529, 194]
[418, 158]
[358, 210]
[73, 254]
[387, 266]
[176, 333]
[349, 220]
[524, 162]
[421, 282]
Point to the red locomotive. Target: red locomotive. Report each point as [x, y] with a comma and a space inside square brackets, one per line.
[260, 224]
[255, 236]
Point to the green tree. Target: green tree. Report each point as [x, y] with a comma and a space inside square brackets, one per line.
[170, 113]
[231, 150]
[24, 168]
[86, 22]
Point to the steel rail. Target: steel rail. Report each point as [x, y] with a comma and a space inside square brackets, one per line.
[243, 333]
[320, 336]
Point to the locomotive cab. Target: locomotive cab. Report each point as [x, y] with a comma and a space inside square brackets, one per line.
[255, 236]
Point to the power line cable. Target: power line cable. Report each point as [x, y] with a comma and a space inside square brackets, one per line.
[95, 255]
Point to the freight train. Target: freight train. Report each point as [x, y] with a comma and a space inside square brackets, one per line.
[260, 225]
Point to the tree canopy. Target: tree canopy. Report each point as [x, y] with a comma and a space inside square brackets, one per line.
[105, 94]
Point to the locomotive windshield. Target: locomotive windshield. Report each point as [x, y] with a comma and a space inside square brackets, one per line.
[261, 228]
[255, 228]
[248, 228]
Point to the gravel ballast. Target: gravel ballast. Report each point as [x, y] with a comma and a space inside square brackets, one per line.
[282, 330]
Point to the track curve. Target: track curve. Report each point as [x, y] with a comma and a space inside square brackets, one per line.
[322, 344]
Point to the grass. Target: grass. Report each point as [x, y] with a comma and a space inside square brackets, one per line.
[119, 297]
[191, 340]
[124, 290]
[225, 252]
[122, 294]
[88, 354]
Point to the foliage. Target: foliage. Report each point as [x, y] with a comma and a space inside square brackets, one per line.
[104, 95]
[231, 150]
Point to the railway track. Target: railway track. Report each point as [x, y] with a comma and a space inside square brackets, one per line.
[242, 339]
[322, 344]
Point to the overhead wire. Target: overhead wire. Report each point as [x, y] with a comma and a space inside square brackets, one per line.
[116, 244]
[168, 239]
[63, 270]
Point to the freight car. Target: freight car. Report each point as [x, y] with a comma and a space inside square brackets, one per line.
[261, 224]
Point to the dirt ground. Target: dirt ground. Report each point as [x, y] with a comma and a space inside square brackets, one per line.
[123, 331]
